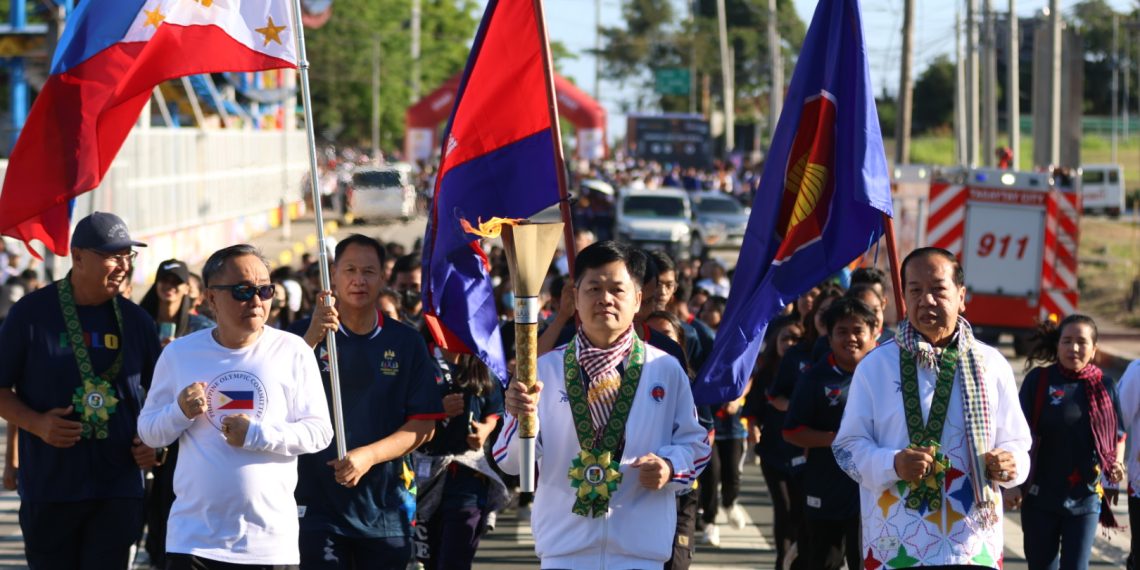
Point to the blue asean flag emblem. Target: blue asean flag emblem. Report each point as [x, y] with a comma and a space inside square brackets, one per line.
[808, 185]
[657, 393]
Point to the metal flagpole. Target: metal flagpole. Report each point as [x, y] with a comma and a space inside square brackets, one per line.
[307, 104]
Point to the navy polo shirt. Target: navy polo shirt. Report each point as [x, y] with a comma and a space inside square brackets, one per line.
[772, 448]
[1065, 475]
[386, 379]
[38, 362]
[817, 403]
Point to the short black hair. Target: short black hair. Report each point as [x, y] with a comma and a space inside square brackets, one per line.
[556, 285]
[651, 272]
[405, 263]
[847, 307]
[217, 261]
[363, 241]
[716, 303]
[869, 275]
[924, 252]
[662, 262]
[858, 289]
[605, 252]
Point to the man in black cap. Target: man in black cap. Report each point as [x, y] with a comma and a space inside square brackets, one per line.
[77, 358]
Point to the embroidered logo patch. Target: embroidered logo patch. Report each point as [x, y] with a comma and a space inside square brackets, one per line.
[832, 394]
[657, 393]
[563, 397]
[388, 365]
[1057, 394]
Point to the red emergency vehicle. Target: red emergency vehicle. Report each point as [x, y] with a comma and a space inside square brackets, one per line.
[1016, 234]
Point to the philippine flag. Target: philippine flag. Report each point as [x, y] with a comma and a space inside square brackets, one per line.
[235, 400]
[111, 55]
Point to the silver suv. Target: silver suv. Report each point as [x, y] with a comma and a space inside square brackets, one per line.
[720, 222]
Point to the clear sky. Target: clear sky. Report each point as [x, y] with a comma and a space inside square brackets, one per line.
[572, 22]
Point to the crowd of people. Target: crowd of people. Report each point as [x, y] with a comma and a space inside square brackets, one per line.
[196, 425]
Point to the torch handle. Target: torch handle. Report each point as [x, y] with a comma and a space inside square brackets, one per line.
[526, 362]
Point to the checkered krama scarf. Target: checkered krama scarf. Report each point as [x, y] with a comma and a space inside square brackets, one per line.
[975, 406]
[601, 374]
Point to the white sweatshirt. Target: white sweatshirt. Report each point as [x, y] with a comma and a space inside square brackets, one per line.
[874, 429]
[236, 504]
[638, 530]
[1129, 390]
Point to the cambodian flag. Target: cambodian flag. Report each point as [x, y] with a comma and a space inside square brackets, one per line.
[497, 161]
[821, 199]
[112, 54]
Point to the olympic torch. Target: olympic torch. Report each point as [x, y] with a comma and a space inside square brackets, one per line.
[530, 249]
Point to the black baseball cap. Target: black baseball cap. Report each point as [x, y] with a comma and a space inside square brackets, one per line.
[173, 267]
[104, 232]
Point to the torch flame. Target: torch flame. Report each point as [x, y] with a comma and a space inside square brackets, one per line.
[490, 229]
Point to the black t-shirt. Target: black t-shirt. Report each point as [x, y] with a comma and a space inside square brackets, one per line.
[386, 379]
[38, 362]
[1065, 475]
[777, 452]
[817, 403]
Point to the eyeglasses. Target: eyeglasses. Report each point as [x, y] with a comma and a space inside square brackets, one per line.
[119, 259]
[244, 293]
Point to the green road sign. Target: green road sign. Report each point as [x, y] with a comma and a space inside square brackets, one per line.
[672, 81]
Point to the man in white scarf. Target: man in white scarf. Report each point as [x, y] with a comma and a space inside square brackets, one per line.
[932, 427]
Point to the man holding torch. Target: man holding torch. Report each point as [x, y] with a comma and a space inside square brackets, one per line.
[599, 477]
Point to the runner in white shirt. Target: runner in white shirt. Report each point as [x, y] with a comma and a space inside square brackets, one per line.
[243, 400]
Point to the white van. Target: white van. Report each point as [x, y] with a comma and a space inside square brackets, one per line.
[382, 193]
[1102, 189]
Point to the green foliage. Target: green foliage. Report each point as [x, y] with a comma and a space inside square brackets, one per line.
[934, 96]
[341, 56]
[655, 37]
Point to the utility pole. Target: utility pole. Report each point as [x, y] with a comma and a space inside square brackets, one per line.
[376, 98]
[1055, 84]
[906, 87]
[972, 82]
[961, 145]
[692, 57]
[597, 50]
[776, 62]
[989, 85]
[1013, 98]
[1126, 63]
[1115, 80]
[415, 50]
[728, 89]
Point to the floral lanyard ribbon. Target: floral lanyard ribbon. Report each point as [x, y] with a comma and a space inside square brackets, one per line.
[596, 473]
[926, 493]
[95, 399]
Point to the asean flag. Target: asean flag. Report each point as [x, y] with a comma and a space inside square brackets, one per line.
[111, 55]
[822, 197]
[497, 161]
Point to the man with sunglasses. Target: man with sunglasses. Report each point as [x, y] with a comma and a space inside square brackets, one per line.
[243, 400]
[75, 362]
[357, 511]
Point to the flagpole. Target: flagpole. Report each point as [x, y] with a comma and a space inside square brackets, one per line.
[556, 131]
[893, 257]
[330, 337]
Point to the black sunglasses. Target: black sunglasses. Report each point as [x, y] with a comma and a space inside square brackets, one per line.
[244, 293]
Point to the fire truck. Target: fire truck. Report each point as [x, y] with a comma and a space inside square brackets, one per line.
[1016, 235]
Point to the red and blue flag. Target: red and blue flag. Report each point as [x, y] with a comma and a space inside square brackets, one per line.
[235, 400]
[497, 160]
[821, 199]
[111, 55]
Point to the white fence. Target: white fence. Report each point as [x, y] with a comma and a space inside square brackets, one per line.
[188, 192]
